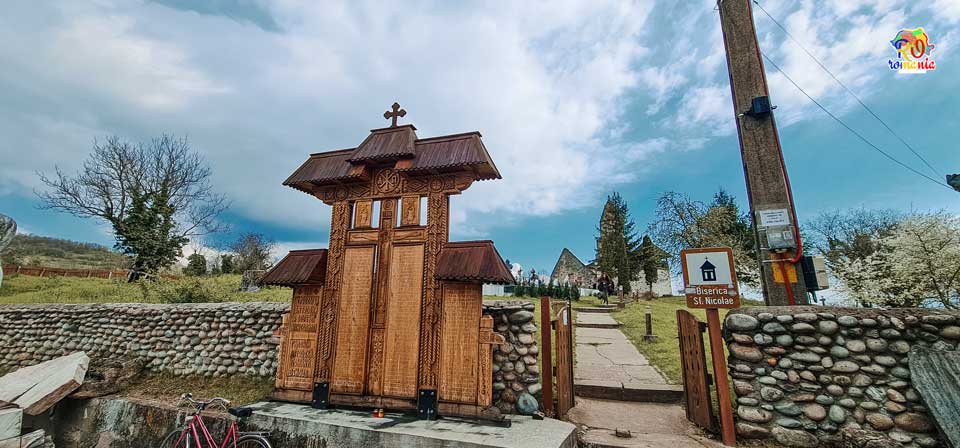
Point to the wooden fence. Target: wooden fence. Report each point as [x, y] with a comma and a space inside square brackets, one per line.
[696, 380]
[11, 270]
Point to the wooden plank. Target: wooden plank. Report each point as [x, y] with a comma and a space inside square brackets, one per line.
[55, 380]
[353, 325]
[364, 237]
[459, 340]
[410, 235]
[727, 431]
[546, 352]
[402, 341]
[936, 374]
[564, 343]
[298, 356]
[369, 401]
[694, 368]
[488, 340]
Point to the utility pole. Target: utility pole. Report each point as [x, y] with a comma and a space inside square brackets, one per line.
[768, 190]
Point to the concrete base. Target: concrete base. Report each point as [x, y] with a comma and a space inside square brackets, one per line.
[303, 426]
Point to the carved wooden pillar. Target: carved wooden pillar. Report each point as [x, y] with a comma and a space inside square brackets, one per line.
[378, 320]
[438, 215]
[339, 225]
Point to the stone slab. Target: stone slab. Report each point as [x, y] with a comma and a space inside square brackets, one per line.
[55, 379]
[340, 428]
[936, 374]
[594, 309]
[596, 320]
[11, 421]
[607, 355]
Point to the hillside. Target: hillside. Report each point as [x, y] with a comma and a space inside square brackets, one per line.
[32, 250]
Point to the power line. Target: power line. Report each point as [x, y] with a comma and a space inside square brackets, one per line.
[854, 95]
[838, 120]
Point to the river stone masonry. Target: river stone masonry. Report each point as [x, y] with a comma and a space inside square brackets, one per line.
[516, 375]
[209, 339]
[802, 374]
[223, 339]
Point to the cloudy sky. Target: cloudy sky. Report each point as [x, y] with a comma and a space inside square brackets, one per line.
[575, 99]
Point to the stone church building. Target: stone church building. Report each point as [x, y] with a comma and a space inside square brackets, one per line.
[569, 269]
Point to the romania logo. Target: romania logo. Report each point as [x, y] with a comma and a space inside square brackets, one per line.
[913, 52]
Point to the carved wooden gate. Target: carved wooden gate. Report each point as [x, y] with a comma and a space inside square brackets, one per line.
[563, 330]
[696, 380]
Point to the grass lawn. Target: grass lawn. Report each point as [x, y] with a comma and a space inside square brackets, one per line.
[223, 288]
[240, 390]
[665, 352]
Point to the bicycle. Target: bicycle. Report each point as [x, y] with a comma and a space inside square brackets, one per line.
[194, 434]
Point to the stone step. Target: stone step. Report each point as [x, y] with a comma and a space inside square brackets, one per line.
[594, 309]
[591, 325]
[615, 390]
[596, 320]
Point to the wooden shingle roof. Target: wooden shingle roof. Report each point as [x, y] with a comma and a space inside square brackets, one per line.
[472, 261]
[449, 153]
[299, 267]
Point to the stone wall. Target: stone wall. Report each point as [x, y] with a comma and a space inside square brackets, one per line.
[516, 375]
[211, 339]
[217, 339]
[803, 374]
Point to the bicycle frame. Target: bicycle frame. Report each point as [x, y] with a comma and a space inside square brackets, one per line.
[197, 422]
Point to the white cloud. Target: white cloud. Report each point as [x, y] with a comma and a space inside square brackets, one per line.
[553, 86]
[544, 83]
[705, 108]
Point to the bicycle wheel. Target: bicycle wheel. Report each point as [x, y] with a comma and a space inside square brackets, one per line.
[253, 441]
[172, 438]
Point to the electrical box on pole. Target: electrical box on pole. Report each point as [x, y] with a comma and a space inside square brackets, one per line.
[768, 188]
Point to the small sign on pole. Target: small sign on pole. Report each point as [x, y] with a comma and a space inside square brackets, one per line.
[710, 282]
[709, 278]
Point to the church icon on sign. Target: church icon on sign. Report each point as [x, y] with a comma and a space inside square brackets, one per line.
[708, 271]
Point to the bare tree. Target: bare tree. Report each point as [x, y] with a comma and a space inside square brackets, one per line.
[682, 223]
[155, 196]
[252, 252]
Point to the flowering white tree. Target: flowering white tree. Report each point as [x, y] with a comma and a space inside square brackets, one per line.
[927, 251]
[917, 264]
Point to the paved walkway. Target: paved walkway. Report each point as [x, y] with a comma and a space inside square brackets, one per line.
[606, 355]
[605, 359]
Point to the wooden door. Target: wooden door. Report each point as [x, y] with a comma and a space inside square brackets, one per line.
[563, 333]
[349, 371]
[696, 385]
[460, 342]
[378, 319]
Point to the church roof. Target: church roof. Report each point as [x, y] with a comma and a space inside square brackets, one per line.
[475, 261]
[299, 267]
[399, 145]
[707, 265]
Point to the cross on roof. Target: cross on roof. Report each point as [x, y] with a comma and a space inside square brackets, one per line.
[397, 112]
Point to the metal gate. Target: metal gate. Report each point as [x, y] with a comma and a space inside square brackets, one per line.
[696, 380]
